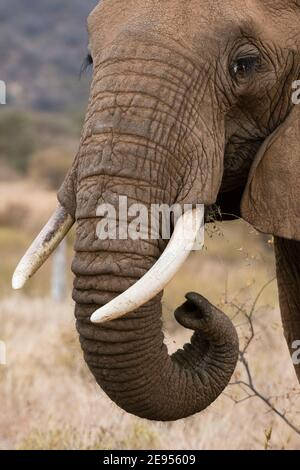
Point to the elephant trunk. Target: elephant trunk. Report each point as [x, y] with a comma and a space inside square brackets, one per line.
[288, 278]
[128, 357]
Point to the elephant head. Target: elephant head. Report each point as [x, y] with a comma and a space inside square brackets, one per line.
[190, 103]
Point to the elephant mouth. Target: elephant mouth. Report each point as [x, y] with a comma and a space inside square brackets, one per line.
[227, 206]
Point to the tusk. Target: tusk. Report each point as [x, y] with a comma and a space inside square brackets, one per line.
[49, 238]
[180, 245]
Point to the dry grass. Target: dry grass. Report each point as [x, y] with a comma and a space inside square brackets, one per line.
[25, 205]
[50, 401]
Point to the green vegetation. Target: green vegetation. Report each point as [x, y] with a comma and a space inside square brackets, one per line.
[18, 139]
[39, 145]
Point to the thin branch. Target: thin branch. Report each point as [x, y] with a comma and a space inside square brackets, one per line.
[258, 394]
[252, 391]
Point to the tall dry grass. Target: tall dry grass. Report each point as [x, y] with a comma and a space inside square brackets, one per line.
[50, 401]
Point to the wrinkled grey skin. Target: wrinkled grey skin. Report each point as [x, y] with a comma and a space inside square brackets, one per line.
[171, 119]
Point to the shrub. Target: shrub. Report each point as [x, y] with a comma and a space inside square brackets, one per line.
[17, 140]
[7, 172]
[50, 166]
[13, 214]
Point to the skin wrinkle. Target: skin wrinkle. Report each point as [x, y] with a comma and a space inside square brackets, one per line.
[130, 181]
[165, 148]
[188, 89]
[161, 102]
[132, 360]
[188, 64]
[154, 61]
[158, 63]
[167, 122]
[185, 184]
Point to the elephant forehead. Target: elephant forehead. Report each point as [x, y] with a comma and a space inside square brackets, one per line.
[180, 20]
[201, 27]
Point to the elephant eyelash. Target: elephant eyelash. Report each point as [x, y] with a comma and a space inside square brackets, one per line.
[87, 63]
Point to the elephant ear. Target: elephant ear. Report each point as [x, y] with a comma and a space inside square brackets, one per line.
[271, 201]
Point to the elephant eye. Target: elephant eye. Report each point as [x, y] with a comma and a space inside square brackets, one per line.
[244, 68]
[89, 59]
[87, 63]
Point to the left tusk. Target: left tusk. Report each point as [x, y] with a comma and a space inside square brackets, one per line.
[50, 237]
[154, 281]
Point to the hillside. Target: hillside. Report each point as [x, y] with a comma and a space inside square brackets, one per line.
[42, 46]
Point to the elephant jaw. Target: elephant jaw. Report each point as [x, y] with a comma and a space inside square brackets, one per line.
[178, 249]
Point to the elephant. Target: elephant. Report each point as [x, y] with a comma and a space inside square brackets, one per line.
[190, 103]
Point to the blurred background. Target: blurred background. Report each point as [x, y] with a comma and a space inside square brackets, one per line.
[48, 398]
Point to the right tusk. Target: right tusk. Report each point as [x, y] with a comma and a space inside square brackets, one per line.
[49, 238]
[178, 249]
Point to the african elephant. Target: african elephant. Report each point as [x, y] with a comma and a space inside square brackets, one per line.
[190, 102]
